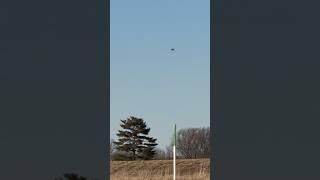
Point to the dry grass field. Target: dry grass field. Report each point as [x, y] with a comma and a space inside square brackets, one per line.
[189, 169]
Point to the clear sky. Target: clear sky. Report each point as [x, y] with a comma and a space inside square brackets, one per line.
[147, 79]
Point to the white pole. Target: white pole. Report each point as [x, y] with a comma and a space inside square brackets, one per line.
[174, 152]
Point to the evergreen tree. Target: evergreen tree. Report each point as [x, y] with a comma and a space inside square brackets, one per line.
[134, 140]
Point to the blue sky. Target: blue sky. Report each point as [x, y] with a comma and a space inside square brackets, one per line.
[150, 82]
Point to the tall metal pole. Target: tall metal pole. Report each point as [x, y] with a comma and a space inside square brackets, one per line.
[174, 152]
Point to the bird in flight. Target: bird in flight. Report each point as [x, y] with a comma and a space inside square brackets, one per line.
[172, 49]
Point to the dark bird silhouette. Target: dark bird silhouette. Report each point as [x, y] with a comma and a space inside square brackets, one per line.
[172, 49]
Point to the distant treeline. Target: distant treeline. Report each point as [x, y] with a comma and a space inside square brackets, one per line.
[134, 144]
[192, 143]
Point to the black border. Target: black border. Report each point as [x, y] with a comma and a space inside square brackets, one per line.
[102, 10]
[107, 41]
[212, 47]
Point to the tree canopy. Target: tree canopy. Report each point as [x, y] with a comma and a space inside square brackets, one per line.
[134, 140]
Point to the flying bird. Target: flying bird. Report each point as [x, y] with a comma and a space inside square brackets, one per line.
[172, 49]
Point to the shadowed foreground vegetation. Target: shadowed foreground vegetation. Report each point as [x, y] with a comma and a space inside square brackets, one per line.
[73, 176]
[187, 169]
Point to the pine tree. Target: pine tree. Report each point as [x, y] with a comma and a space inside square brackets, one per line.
[134, 140]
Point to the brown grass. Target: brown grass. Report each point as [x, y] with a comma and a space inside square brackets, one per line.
[188, 169]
